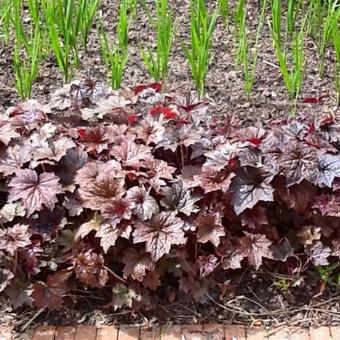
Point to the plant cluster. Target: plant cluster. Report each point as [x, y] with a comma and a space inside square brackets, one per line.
[141, 195]
[63, 27]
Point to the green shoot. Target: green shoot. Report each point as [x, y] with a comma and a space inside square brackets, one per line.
[26, 65]
[243, 50]
[60, 38]
[115, 56]
[336, 43]
[5, 20]
[240, 30]
[199, 52]
[291, 64]
[133, 7]
[223, 6]
[326, 33]
[89, 11]
[157, 62]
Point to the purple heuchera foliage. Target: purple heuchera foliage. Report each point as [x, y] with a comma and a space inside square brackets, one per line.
[110, 194]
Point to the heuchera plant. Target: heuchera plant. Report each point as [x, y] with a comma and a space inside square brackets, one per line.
[141, 195]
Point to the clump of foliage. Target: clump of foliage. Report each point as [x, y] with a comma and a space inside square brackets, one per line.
[115, 55]
[291, 58]
[157, 62]
[142, 195]
[199, 51]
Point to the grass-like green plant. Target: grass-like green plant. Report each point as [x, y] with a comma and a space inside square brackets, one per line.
[115, 55]
[88, 11]
[291, 58]
[27, 46]
[68, 24]
[157, 62]
[199, 51]
[26, 64]
[132, 5]
[5, 20]
[249, 60]
[316, 18]
[61, 28]
[326, 32]
[240, 30]
[223, 6]
[336, 44]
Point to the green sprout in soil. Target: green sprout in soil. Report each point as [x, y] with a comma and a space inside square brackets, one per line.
[5, 20]
[157, 62]
[115, 56]
[290, 56]
[27, 51]
[331, 15]
[243, 55]
[336, 43]
[199, 51]
[223, 6]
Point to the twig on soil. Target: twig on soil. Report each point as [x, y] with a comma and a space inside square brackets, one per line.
[115, 275]
[270, 64]
[277, 312]
[27, 324]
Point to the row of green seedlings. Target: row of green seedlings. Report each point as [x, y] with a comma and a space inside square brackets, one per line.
[288, 40]
[318, 19]
[64, 25]
[60, 25]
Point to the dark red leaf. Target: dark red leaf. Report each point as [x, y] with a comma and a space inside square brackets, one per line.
[314, 100]
[50, 294]
[90, 269]
[157, 86]
[255, 247]
[167, 112]
[209, 228]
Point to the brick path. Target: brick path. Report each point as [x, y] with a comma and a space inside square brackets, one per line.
[175, 332]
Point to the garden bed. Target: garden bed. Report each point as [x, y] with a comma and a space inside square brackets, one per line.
[136, 205]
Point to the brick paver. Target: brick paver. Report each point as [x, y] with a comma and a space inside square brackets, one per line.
[192, 332]
[107, 333]
[150, 333]
[65, 333]
[320, 333]
[128, 333]
[177, 332]
[5, 333]
[214, 332]
[235, 333]
[86, 333]
[298, 334]
[256, 333]
[44, 333]
[335, 333]
[171, 332]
